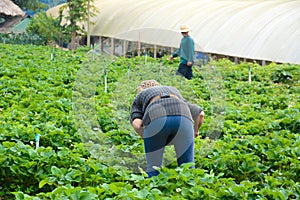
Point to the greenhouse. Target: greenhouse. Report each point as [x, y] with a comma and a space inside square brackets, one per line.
[238, 29]
[95, 106]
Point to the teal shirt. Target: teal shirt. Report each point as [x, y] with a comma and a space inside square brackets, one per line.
[186, 50]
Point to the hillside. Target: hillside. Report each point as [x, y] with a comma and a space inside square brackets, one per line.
[52, 3]
[65, 133]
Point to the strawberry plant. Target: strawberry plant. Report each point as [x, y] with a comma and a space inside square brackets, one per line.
[78, 103]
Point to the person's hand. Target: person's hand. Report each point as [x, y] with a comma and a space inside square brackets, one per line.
[137, 125]
[198, 123]
[189, 63]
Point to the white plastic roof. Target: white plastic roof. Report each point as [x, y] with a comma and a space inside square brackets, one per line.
[255, 29]
[7, 7]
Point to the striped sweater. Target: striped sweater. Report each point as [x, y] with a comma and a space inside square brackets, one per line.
[142, 108]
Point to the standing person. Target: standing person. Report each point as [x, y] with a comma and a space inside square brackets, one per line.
[161, 116]
[186, 52]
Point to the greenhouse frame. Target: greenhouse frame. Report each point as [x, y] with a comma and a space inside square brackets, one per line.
[256, 30]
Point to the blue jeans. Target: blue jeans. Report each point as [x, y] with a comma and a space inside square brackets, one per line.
[163, 131]
[185, 71]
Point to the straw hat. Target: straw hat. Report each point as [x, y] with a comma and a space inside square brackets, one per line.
[146, 84]
[184, 28]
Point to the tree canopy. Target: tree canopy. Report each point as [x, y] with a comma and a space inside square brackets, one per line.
[79, 11]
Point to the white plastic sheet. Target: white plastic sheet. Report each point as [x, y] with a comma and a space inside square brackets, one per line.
[255, 29]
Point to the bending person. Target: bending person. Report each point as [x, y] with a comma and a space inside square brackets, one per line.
[161, 116]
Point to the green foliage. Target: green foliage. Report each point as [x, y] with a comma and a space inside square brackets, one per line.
[29, 4]
[21, 38]
[48, 28]
[79, 103]
[78, 11]
[284, 75]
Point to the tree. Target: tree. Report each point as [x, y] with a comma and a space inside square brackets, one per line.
[29, 4]
[49, 28]
[79, 11]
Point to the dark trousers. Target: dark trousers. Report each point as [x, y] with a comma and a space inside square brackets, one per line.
[163, 131]
[185, 71]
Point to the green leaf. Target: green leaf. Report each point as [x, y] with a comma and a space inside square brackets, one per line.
[56, 171]
[44, 182]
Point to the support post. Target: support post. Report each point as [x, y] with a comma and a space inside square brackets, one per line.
[124, 48]
[139, 47]
[88, 26]
[100, 45]
[112, 46]
[236, 60]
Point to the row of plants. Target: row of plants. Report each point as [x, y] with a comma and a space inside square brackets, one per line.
[78, 105]
[21, 39]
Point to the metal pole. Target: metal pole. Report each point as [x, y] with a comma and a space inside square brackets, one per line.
[112, 46]
[124, 48]
[88, 26]
[139, 46]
